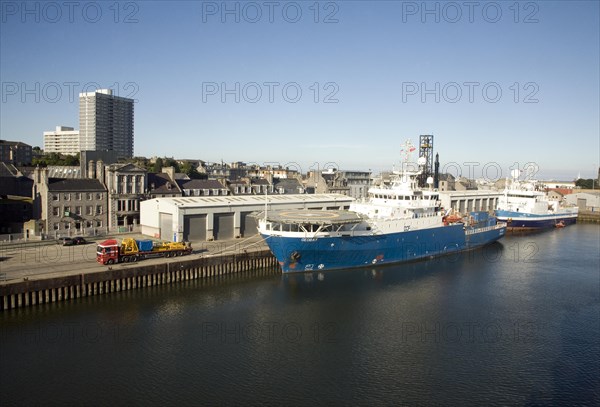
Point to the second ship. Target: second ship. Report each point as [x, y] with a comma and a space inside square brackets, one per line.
[524, 206]
[397, 222]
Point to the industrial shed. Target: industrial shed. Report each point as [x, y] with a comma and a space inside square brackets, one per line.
[204, 218]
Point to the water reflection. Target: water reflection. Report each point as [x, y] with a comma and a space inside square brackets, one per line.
[493, 324]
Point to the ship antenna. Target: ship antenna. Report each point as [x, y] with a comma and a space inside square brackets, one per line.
[266, 205]
[407, 148]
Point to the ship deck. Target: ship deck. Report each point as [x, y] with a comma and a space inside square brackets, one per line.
[315, 217]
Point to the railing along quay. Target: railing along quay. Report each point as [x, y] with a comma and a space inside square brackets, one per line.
[112, 279]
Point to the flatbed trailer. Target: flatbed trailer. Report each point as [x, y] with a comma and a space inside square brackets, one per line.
[131, 250]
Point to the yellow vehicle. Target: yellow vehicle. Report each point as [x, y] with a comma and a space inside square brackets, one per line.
[110, 251]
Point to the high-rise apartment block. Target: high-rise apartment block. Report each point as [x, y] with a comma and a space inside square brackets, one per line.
[106, 122]
[63, 140]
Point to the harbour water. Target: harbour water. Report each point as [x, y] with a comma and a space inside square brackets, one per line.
[515, 323]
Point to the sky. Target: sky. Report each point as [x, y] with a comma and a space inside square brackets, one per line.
[313, 85]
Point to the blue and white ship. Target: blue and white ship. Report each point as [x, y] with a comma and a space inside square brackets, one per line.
[524, 206]
[397, 222]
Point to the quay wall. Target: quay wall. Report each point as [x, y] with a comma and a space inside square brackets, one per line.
[35, 292]
[588, 216]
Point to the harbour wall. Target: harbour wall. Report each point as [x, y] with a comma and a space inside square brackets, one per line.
[114, 279]
[588, 216]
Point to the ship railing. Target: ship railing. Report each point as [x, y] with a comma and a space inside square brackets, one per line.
[485, 229]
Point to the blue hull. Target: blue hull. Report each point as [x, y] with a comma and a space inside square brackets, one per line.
[329, 253]
[519, 220]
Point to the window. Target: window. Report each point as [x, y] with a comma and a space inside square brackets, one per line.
[98, 209]
[89, 210]
[55, 197]
[56, 210]
[78, 196]
[67, 211]
[98, 196]
[99, 223]
[78, 210]
[56, 226]
[89, 196]
[67, 196]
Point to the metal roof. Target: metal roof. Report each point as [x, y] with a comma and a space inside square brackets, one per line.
[243, 200]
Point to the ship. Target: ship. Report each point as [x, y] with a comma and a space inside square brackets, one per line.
[397, 222]
[525, 206]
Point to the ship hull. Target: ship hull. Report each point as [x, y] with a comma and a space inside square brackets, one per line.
[522, 221]
[344, 252]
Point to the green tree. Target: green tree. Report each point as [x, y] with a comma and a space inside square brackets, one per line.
[586, 183]
[170, 162]
[71, 159]
[158, 165]
[191, 171]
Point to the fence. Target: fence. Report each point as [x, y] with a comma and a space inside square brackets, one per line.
[85, 232]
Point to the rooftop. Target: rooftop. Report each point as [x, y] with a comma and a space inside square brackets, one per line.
[243, 200]
[75, 185]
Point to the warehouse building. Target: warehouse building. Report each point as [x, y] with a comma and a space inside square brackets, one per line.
[469, 201]
[202, 218]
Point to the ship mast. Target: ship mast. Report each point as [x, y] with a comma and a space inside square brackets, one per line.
[405, 151]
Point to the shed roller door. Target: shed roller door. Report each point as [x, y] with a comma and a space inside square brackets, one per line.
[194, 227]
[223, 226]
[249, 224]
[166, 226]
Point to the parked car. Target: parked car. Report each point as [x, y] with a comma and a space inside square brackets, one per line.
[79, 240]
[65, 241]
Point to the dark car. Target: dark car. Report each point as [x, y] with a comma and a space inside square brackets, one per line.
[65, 241]
[79, 240]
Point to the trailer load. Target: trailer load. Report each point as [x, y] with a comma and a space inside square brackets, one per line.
[130, 250]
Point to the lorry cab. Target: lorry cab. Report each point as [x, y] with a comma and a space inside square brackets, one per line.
[107, 252]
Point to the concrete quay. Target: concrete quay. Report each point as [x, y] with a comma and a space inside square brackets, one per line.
[29, 279]
[588, 216]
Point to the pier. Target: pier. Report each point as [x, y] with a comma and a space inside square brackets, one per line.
[588, 216]
[69, 286]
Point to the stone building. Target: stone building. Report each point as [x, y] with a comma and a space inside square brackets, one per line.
[66, 207]
[127, 185]
[202, 187]
[15, 152]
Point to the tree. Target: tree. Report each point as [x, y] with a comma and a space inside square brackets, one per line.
[158, 165]
[586, 183]
[191, 171]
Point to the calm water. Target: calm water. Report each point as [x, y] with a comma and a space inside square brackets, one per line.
[516, 323]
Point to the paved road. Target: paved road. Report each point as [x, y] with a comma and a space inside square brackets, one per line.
[36, 261]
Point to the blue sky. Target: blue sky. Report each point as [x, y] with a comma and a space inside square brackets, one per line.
[371, 74]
